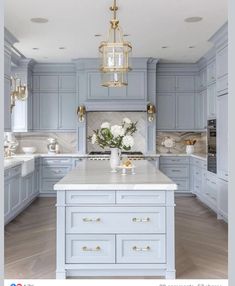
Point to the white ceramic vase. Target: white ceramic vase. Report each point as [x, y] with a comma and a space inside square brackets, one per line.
[189, 149]
[114, 159]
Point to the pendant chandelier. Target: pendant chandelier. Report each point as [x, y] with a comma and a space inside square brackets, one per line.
[114, 53]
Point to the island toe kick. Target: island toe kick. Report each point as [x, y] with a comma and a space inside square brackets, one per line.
[115, 233]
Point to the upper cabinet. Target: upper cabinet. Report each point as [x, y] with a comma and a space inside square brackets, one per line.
[211, 72]
[185, 111]
[185, 83]
[172, 83]
[202, 79]
[211, 101]
[166, 111]
[166, 83]
[222, 70]
[201, 110]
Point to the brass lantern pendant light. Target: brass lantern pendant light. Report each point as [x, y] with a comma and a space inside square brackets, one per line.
[115, 53]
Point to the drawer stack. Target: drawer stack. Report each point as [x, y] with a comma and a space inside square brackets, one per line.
[177, 168]
[116, 227]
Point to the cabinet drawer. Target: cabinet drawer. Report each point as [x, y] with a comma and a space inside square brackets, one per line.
[115, 221]
[90, 197]
[141, 249]
[175, 171]
[90, 249]
[140, 197]
[55, 172]
[183, 184]
[198, 163]
[174, 160]
[56, 161]
[197, 173]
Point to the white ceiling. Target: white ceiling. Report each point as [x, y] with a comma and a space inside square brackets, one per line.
[151, 23]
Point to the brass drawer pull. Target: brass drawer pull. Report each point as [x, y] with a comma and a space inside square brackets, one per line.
[135, 219]
[86, 219]
[176, 171]
[85, 248]
[135, 248]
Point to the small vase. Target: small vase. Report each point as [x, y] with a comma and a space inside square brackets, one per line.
[114, 159]
[189, 149]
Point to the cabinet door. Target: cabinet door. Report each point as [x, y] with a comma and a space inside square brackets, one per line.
[30, 185]
[67, 109]
[185, 83]
[211, 101]
[223, 198]
[95, 90]
[15, 199]
[136, 88]
[49, 83]
[67, 83]
[24, 190]
[200, 110]
[222, 62]
[202, 79]
[7, 105]
[165, 83]
[185, 111]
[166, 111]
[222, 137]
[48, 111]
[211, 72]
[6, 199]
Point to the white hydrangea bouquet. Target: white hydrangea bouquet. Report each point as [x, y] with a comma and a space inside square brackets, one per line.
[115, 136]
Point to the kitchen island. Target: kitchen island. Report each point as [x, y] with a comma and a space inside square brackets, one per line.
[109, 224]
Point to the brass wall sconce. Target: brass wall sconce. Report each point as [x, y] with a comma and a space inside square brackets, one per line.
[151, 111]
[81, 111]
[19, 91]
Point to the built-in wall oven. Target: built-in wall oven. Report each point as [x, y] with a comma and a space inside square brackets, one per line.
[211, 149]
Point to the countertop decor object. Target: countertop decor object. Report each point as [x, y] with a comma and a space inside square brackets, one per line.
[169, 143]
[114, 225]
[114, 53]
[115, 137]
[190, 146]
[52, 146]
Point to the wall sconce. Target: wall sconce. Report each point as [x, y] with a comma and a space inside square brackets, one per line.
[18, 91]
[81, 111]
[151, 110]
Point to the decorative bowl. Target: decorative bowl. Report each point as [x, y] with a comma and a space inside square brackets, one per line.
[29, 150]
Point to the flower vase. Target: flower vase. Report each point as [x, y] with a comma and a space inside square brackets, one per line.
[189, 149]
[114, 159]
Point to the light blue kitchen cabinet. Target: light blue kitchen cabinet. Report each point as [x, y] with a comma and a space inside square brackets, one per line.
[136, 88]
[67, 83]
[211, 101]
[202, 80]
[7, 104]
[15, 199]
[117, 93]
[185, 83]
[166, 83]
[95, 90]
[185, 111]
[222, 62]
[211, 72]
[67, 111]
[201, 110]
[49, 83]
[166, 115]
[48, 111]
[27, 189]
[222, 200]
[7, 190]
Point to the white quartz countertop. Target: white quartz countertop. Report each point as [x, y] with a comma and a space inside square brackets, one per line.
[96, 175]
[13, 162]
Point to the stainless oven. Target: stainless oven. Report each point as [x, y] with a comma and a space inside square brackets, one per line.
[211, 149]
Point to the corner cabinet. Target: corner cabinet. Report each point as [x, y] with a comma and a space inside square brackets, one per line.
[54, 98]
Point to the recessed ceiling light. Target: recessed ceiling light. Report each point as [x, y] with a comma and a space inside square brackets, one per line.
[97, 35]
[126, 35]
[193, 19]
[35, 49]
[39, 20]
[62, 48]
[191, 47]
[164, 47]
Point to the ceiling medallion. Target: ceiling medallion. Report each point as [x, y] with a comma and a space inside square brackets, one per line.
[115, 53]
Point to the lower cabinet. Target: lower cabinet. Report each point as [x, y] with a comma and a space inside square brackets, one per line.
[222, 199]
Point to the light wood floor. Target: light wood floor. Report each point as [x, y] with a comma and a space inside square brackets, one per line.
[201, 242]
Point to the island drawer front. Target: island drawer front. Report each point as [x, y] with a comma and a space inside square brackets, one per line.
[90, 197]
[175, 171]
[55, 172]
[141, 248]
[140, 197]
[129, 221]
[56, 161]
[174, 160]
[183, 184]
[90, 249]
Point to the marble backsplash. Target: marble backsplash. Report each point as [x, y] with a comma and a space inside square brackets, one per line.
[95, 119]
[179, 137]
[67, 141]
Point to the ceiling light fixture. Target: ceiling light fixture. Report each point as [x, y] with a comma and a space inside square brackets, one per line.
[193, 19]
[62, 48]
[191, 47]
[164, 47]
[35, 49]
[97, 35]
[114, 53]
[39, 20]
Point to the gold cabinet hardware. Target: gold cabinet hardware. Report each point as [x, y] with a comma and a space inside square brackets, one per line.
[135, 248]
[135, 219]
[85, 248]
[86, 219]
